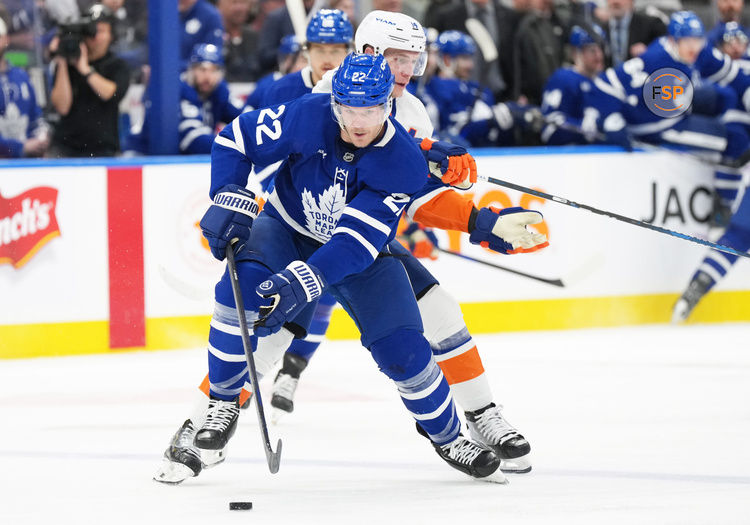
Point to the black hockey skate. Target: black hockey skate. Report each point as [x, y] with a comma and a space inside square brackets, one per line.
[488, 426]
[697, 288]
[182, 459]
[470, 458]
[220, 424]
[285, 385]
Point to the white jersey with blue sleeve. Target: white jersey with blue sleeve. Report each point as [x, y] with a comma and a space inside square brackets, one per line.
[348, 199]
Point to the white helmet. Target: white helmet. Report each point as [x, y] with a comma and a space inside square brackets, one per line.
[383, 30]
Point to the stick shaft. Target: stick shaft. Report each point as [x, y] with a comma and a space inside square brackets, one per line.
[553, 282]
[612, 215]
[272, 457]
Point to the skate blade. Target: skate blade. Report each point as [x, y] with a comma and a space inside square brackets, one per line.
[211, 458]
[277, 415]
[515, 466]
[496, 477]
[172, 473]
[680, 313]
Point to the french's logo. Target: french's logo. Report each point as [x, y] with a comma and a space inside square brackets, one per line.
[27, 223]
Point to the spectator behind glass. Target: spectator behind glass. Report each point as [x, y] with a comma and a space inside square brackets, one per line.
[86, 91]
[347, 6]
[131, 30]
[240, 41]
[22, 130]
[201, 24]
[538, 51]
[629, 32]
[32, 23]
[275, 27]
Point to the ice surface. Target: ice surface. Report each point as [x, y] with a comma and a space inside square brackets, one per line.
[638, 426]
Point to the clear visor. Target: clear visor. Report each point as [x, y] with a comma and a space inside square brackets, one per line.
[362, 117]
[413, 62]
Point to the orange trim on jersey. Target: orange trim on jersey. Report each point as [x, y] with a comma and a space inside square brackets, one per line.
[426, 144]
[463, 367]
[449, 210]
[205, 387]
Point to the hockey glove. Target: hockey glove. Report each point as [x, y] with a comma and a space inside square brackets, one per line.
[421, 242]
[228, 219]
[289, 290]
[450, 163]
[504, 231]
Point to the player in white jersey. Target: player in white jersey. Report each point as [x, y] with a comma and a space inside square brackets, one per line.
[383, 33]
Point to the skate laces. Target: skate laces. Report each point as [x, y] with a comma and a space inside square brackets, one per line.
[463, 450]
[493, 426]
[185, 435]
[285, 386]
[220, 414]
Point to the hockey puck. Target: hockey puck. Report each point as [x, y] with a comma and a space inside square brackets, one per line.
[240, 505]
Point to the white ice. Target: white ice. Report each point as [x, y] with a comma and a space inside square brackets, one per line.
[647, 425]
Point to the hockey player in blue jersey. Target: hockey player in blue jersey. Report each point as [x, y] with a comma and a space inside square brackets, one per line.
[401, 40]
[289, 60]
[467, 112]
[205, 103]
[329, 37]
[23, 132]
[325, 228]
[734, 43]
[622, 111]
[564, 97]
[200, 23]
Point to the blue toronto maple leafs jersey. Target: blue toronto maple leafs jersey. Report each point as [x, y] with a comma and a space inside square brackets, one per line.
[621, 89]
[564, 100]
[20, 115]
[456, 102]
[288, 87]
[198, 119]
[347, 199]
[718, 68]
[255, 99]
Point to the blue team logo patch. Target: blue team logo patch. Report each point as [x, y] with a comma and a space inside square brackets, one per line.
[266, 285]
[668, 92]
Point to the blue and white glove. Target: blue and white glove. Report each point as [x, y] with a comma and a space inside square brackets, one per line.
[229, 218]
[504, 231]
[450, 163]
[289, 290]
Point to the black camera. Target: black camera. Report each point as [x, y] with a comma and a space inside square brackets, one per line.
[71, 36]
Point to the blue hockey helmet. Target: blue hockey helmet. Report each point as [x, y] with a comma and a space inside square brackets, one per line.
[289, 45]
[330, 26]
[684, 24]
[455, 43]
[733, 31]
[584, 36]
[206, 53]
[362, 81]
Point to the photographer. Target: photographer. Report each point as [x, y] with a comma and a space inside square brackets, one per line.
[89, 82]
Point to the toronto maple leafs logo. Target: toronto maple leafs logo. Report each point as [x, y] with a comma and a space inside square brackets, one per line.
[322, 215]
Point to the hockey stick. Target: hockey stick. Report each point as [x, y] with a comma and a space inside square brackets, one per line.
[612, 215]
[273, 458]
[553, 282]
[297, 14]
